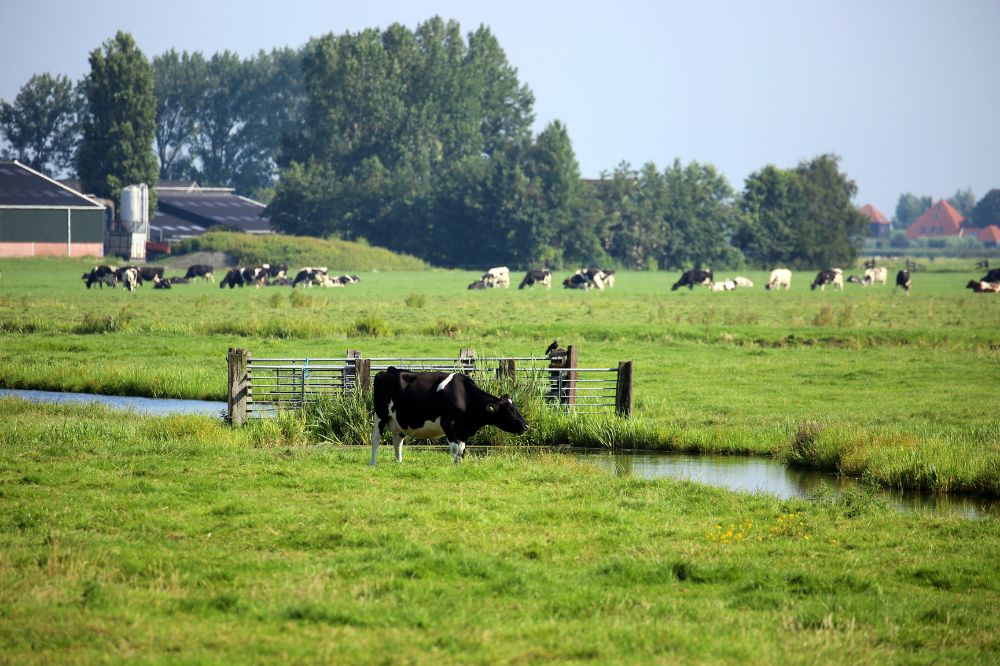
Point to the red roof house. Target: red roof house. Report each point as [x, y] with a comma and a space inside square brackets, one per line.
[990, 236]
[879, 225]
[939, 220]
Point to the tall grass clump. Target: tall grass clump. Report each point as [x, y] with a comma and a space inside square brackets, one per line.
[372, 325]
[415, 300]
[112, 323]
[344, 418]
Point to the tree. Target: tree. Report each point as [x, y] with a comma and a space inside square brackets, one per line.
[41, 127]
[120, 123]
[963, 201]
[909, 208]
[770, 202]
[179, 82]
[987, 211]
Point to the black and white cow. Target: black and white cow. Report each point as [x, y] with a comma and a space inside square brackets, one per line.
[833, 276]
[992, 276]
[903, 280]
[234, 278]
[200, 270]
[348, 279]
[256, 275]
[693, 277]
[150, 273]
[162, 284]
[429, 405]
[536, 277]
[309, 276]
[277, 271]
[130, 277]
[577, 281]
[478, 284]
[102, 275]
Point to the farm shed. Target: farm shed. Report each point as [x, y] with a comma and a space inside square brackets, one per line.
[879, 225]
[41, 217]
[184, 210]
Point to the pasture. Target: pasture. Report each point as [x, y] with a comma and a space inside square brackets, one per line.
[182, 539]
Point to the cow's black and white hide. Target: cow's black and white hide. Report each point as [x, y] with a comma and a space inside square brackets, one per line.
[162, 284]
[200, 271]
[478, 284]
[992, 276]
[233, 278]
[833, 276]
[693, 277]
[430, 405]
[309, 276]
[577, 281]
[903, 280]
[101, 275]
[533, 277]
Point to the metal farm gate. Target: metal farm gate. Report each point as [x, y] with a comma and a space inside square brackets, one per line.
[261, 387]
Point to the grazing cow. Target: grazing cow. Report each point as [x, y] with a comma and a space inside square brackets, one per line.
[903, 280]
[234, 278]
[150, 273]
[201, 271]
[130, 277]
[609, 278]
[577, 281]
[256, 275]
[853, 279]
[102, 275]
[992, 276]
[429, 405]
[535, 276]
[833, 276]
[692, 277]
[277, 271]
[348, 279]
[596, 276]
[725, 285]
[498, 276]
[309, 276]
[875, 276]
[983, 287]
[478, 284]
[780, 278]
[743, 282]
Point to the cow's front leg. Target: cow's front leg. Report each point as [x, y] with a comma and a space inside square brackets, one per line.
[397, 443]
[457, 450]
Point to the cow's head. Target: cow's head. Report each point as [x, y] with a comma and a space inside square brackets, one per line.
[505, 415]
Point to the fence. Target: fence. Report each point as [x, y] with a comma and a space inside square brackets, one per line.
[261, 387]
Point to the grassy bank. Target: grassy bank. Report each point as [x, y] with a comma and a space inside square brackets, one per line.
[179, 539]
[895, 384]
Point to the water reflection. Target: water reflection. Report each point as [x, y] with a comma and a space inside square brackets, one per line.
[152, 406]
[752, 474]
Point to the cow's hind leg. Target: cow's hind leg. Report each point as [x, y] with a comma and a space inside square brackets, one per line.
[376, 439]
[457, 450]
[397, 444]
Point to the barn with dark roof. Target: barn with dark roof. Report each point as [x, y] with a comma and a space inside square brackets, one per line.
[41, 217]
[184, 210]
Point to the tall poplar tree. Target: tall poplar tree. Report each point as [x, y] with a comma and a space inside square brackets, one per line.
[41, 127]
[120, 121]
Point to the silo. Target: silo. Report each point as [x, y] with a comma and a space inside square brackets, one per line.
[130, 242]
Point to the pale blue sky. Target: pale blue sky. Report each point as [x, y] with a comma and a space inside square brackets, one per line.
[906, 92]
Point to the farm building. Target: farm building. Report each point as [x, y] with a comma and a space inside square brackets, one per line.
[184, 210]
[41, 217]
[990, 236]
[879, 225]
[939, 221]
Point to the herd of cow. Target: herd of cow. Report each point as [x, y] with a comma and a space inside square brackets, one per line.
[498, 277]
[584, 278]
[265, 275]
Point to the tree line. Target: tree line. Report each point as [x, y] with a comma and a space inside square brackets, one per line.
[419, 140]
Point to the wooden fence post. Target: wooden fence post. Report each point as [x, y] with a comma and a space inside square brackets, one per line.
[363, 375]
[239, 386]
[507, 369]
[623, 390]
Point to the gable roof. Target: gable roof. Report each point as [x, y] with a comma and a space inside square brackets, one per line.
[208, 207]
[990, 234]
[23, 187]
[874, 214]
[941, 219]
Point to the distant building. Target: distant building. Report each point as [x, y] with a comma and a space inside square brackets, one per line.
[42, 217]
[939, 221]
[990, 236]
[185, 209]
[879, 225]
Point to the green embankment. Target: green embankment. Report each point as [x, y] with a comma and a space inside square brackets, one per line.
[298, 251]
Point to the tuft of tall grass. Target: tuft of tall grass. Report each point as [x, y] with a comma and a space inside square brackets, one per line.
[372, 325]
[112, 323]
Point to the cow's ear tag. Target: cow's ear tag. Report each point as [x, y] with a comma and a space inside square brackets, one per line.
[491, 408]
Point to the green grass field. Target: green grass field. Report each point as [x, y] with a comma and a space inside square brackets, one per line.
[181, 539]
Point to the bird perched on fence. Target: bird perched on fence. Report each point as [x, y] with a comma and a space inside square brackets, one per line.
[553, 346]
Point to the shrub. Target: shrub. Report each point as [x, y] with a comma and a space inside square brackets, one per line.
[372, 325]
[415, 300]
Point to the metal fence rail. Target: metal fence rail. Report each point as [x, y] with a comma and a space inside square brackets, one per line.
[261, 387]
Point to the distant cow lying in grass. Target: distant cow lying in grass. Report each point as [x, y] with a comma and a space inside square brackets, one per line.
[429, 405]
[984, 287]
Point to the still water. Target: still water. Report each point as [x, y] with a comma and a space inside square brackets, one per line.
[739, 473]
[152, 406]
[765, 475]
